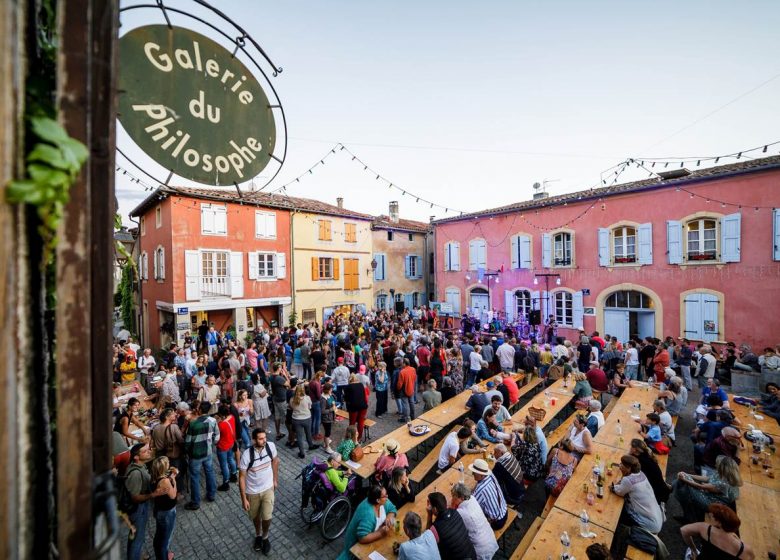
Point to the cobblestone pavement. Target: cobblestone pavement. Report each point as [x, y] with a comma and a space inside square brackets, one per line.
[221, 529]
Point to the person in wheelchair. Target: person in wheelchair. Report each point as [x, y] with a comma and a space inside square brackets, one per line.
[337, 477]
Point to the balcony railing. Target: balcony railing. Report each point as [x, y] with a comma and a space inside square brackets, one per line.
[214, 286]
[562, 262]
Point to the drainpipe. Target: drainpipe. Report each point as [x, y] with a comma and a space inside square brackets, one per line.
[291, 274]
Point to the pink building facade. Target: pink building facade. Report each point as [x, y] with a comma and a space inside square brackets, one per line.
[695, 255]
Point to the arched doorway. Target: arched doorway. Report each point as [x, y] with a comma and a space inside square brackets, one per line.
[479, 303]
[629, 313]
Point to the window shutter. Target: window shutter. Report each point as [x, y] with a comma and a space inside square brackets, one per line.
[383, 260]
[407, 266]
[236, 274]
[155, 268]
[220, 220]
[577, 310]
[281, 265]
[546, 305]
[674, 241]
[328, 235]
[473, 257]
[161, 264]
[448, 258]
[315, 268]
[536, 302]
[145, 266]
[378, 269]
[776, 233]
[251, 259]
[709, 312]
[730, 237]
[270, 225]
[320, 229]
[191, 275]
[408, 301]
[206, 218]
[645, 243]
[455, 256]
[546, 250]
[514, 255]
[694, 323]
[509, 305]
[482, 248]
[525, 251]
[335, 268]
[604, 259]
[419, 267]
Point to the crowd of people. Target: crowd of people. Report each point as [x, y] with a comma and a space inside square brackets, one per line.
[216, 396]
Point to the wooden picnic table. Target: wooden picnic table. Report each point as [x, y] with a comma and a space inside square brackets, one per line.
[442, 484]
[756, 474]
[547, 542]
[454, 409]
[766, 424]
[552, 404]
[604, 512]
[759, 512]
[624, 414]
[406, 440]
[559, 389]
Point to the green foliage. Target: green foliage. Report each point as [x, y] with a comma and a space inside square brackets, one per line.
[292, 318]
[127, 301]
[53, 164]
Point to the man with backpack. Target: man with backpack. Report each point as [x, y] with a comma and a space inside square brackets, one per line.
[135, 497]
[257, 481]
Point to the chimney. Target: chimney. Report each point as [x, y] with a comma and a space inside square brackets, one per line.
[340, 202]
[394, 211]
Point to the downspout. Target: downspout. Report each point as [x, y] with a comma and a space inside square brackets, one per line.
[292, 261]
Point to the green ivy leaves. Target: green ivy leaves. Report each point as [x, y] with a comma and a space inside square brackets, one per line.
[52, 167]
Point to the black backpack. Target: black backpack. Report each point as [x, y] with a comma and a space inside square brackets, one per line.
[125, 501]
[252, 457]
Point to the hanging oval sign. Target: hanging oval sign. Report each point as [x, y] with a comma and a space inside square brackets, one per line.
[192, 106]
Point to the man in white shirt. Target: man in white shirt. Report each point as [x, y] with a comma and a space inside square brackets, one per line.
[480, 533]
[506, 357]
[146, 363]
[451, 448]
[707, 364]
[258, 478]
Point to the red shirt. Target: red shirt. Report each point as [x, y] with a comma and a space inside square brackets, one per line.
[227, 434]
[511, 387]
[423, 354]
[407, 380]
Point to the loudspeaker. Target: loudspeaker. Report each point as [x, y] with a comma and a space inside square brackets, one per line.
[535, 317]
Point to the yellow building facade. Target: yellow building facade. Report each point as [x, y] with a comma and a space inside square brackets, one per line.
[400, 253]
[331, 259]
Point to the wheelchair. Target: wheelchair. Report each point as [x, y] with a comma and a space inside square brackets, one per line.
[321, 504]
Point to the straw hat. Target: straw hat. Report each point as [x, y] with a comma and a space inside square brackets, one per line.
[392, 445]
[480, 467]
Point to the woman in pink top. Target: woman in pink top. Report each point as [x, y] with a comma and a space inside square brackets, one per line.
[390, 458]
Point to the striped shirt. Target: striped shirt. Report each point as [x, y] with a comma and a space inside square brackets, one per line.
[200, 435]
[490, 498]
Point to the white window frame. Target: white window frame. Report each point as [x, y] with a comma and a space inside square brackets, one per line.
[158, 216]
[264, 218]
[566, 247]
[142, 225]
[321, 266]
[143, 265]
[451, 249]
[268, 256]
[414, 264]
[415, 299]
[521, 308]
[700, 234]
[561, 300]
[620, 234]
[217, 212]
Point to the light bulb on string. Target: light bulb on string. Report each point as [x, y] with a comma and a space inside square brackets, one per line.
[536, 281]
[558, 281]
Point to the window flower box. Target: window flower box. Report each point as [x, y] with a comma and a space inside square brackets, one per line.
[708, 256]
[624, 260]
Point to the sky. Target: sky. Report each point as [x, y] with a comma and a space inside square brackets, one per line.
[467, 104]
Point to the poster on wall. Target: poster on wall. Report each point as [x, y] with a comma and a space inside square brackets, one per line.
[709, 327]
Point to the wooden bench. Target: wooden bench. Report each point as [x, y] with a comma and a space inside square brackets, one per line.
[421, 470]
[528, 538]
[344, 415]
[532, 384]
[634, 553]
[548, 505]
[510, 519]
[610, 405]
[554, 437]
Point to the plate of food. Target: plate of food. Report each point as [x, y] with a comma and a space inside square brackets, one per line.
[420, 430]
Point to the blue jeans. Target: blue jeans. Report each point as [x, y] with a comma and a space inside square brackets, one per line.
[227, 463]
[407, 405]
[139, 518]
[632, 371]
[211, 478]
[166, 521]
[243, 434]
[471, 378]
[316, 415]
[685, 371]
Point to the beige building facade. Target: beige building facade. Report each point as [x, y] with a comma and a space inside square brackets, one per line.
[400, 262]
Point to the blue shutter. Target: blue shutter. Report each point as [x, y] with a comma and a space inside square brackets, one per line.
[604, 259]
[419, 266]
[510, 305]
[407, 265]
[515, 252]
[448, 257]
[546, 250]
[408, 300]
[674, 242]
[577, 310]
[455, 256]
[525, 251]
[730, 237]
[694, 323]
[645, 244]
